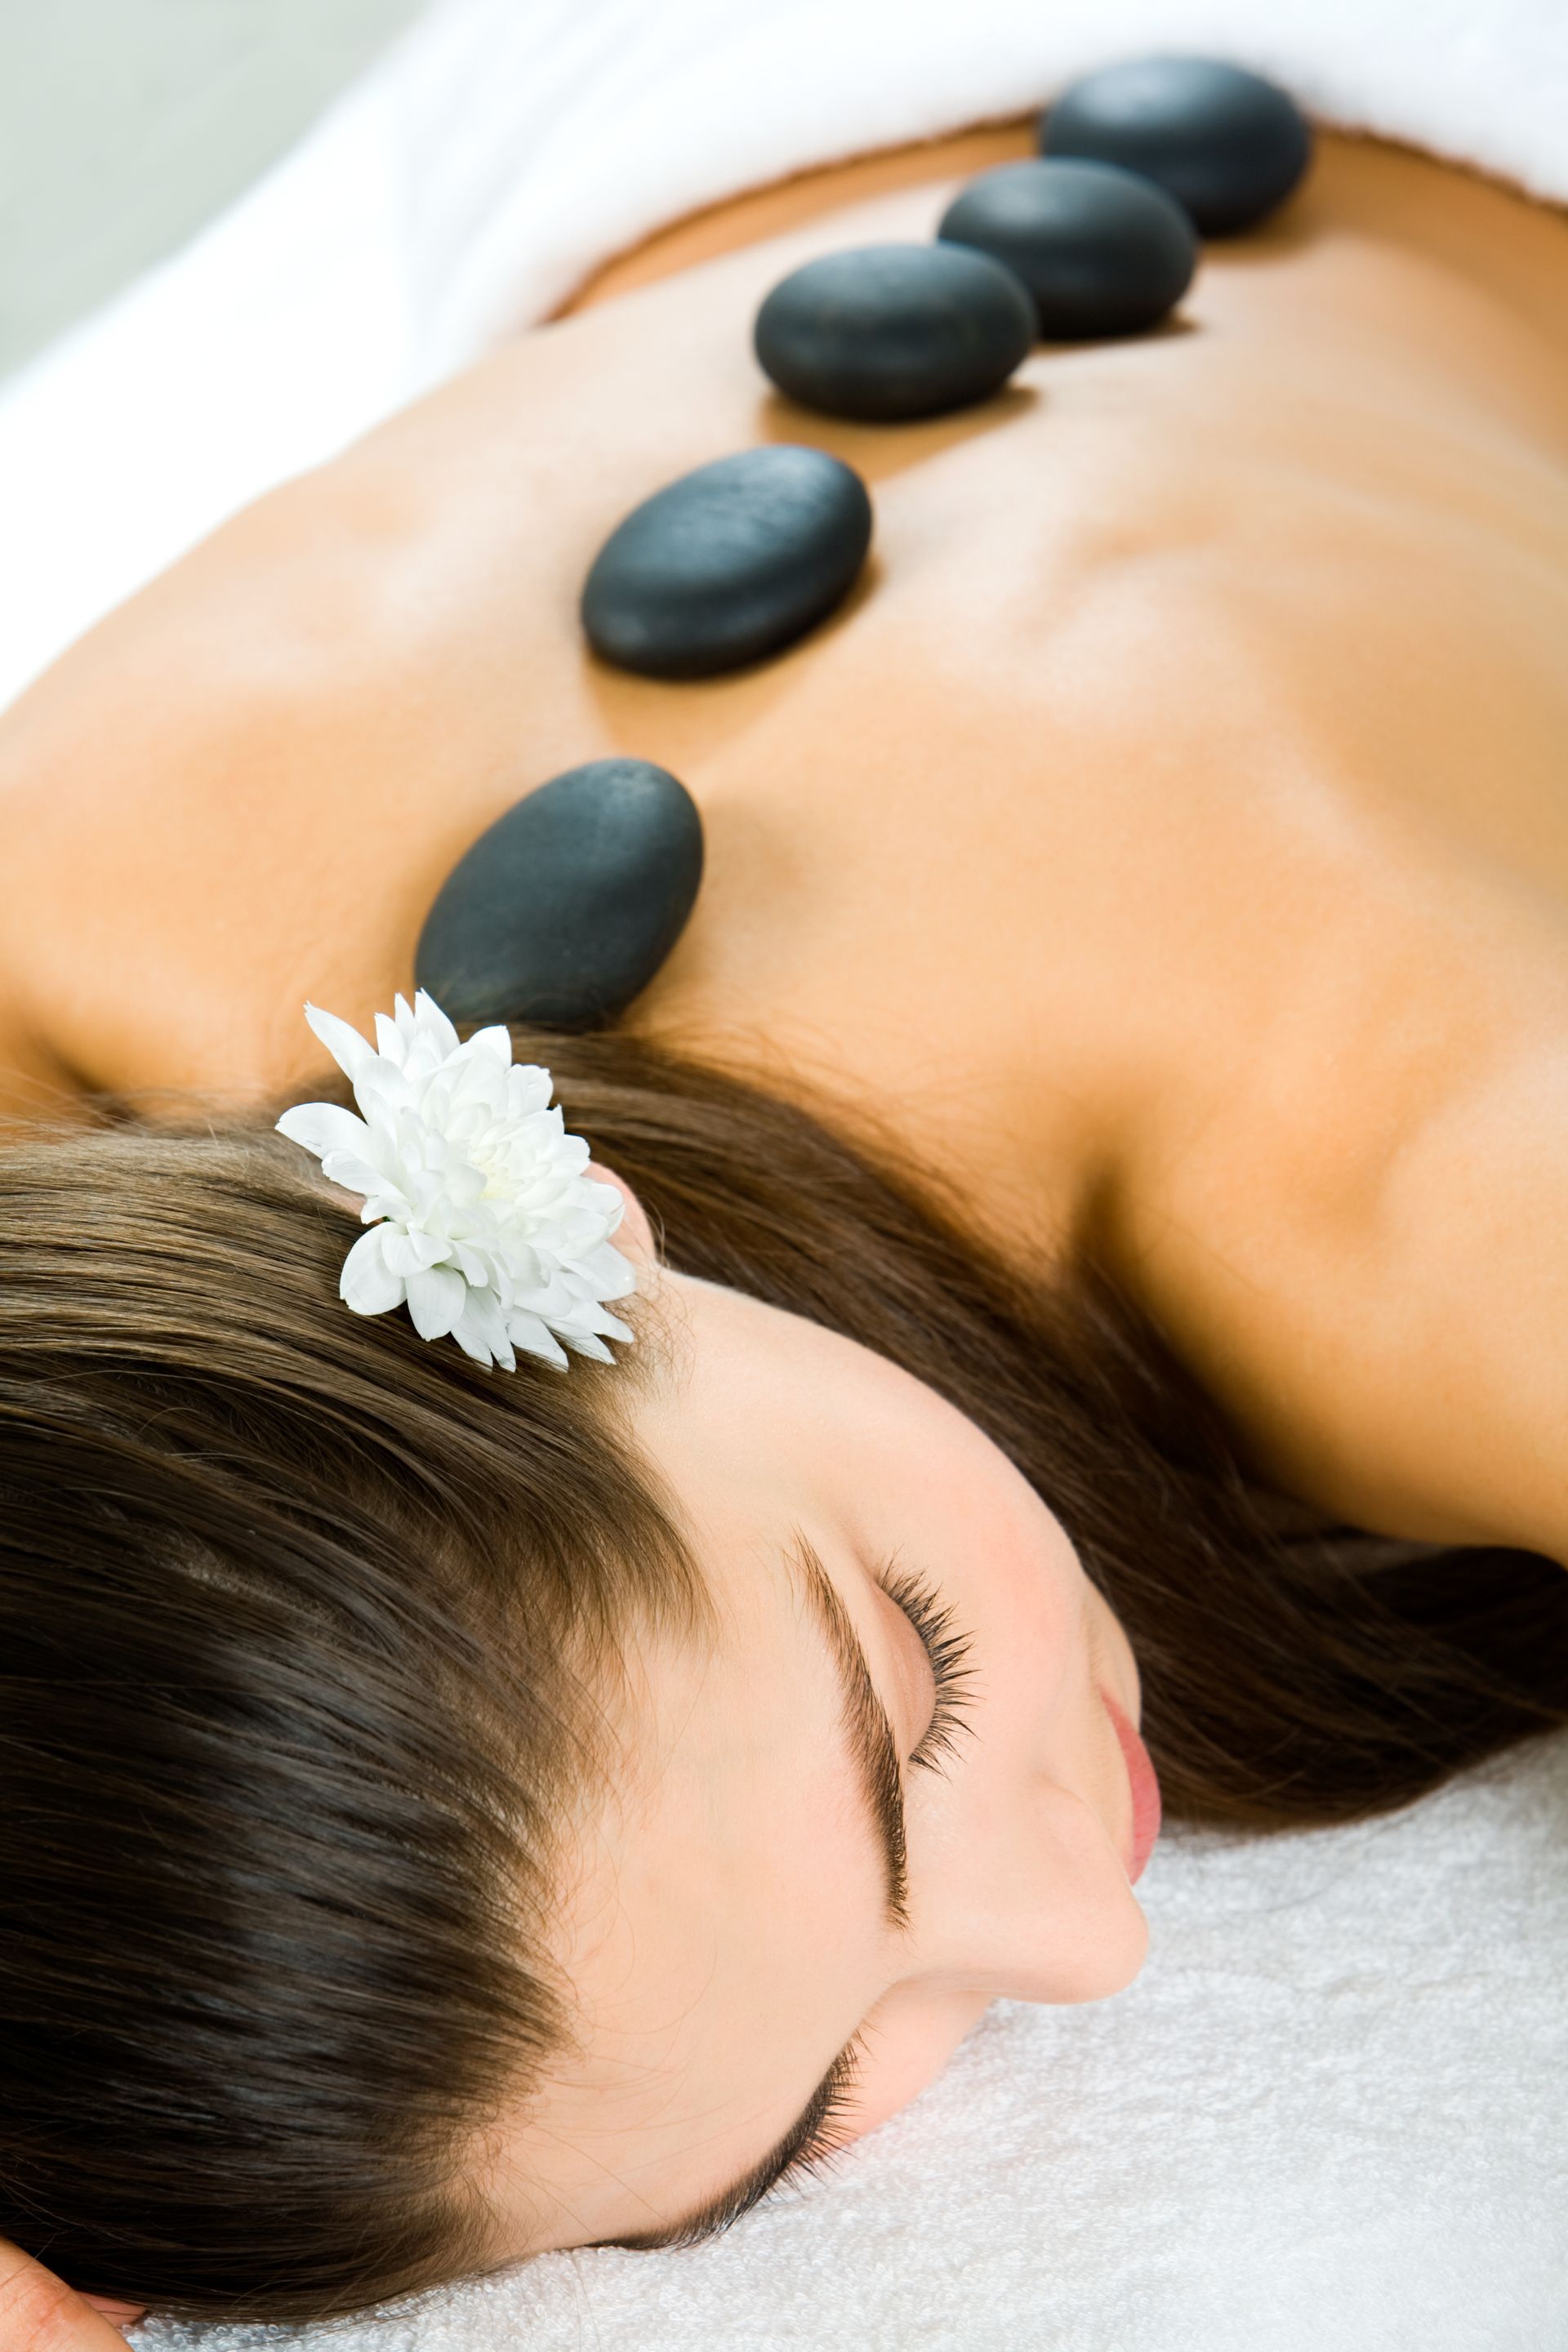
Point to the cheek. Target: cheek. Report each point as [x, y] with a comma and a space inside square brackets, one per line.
[1016, 1587]
[1035, 1598]
[1018, 1851]
[907, 2041]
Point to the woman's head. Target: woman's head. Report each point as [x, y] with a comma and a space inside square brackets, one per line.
[884, 1791]
[445, 1814]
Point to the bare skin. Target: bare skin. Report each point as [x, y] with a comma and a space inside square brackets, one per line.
[1166, 846]
[39, 2313]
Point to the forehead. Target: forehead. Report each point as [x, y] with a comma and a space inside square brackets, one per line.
[722, 1929]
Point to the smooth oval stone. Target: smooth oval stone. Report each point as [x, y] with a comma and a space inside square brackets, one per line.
[1103, 251]
[565, 907]
[892, 332]
[729, 564]
[1228, 145]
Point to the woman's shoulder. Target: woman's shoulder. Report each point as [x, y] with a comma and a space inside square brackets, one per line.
[1353, 1228]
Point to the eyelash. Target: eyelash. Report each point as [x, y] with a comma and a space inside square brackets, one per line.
[830, 2138]
[948, 1651]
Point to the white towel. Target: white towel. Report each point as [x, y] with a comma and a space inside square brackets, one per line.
[1331, 2114]
[1328, 2117]
[505, 147]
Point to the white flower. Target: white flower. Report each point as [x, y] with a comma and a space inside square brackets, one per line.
[482, 1218]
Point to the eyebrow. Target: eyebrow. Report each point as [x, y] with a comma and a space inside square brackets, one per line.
[874, 1757]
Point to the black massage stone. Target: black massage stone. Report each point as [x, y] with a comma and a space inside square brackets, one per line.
[564, 909]
[1228, 145]
[892, 331]
[729, 564]
[1103, 251]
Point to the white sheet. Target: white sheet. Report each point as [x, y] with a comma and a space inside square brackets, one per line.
[1331, 2114]
[506, 146]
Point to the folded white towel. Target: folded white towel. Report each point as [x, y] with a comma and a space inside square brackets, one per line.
[505, 147]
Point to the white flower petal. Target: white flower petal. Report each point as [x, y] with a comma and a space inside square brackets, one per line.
[321, 1127]
[480, 1331]
[464, 1184]
[409, 1253]
[366, 1284]
[355, 1174]
[493, 1044]
[429, 1017]
[386, 1201]
[346, 1046]
[608, 1327]
[382, 1090]
[427, 1192]
[598, 1193]
[389, 1038]
[610, 1272]
[528, 1332]
[435, 1300]
[479, 1349]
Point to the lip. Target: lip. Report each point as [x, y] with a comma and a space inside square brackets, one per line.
[1144, 1787]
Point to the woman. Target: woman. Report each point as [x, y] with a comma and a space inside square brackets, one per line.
[512, 1811]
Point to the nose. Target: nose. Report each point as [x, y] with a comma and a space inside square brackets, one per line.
[1031, 1901]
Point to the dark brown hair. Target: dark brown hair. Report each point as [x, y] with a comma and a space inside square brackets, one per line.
[302, 1622]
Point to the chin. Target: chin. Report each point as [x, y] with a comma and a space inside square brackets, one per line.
[908, 2038]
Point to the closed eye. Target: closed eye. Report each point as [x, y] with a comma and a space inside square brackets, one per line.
[831, 2132]
[948, 1651]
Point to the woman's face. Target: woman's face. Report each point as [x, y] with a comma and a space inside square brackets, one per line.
[830, 1853]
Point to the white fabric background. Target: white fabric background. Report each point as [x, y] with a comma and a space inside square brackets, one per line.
[1330, 2114]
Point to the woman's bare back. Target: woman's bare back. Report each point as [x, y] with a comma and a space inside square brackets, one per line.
[1165, 840]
